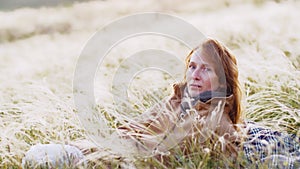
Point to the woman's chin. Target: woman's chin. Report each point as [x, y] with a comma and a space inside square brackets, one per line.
[194, 93]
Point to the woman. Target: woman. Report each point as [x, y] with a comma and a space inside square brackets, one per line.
[207, 105]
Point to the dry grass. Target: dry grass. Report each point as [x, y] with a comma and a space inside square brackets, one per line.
[39, 49]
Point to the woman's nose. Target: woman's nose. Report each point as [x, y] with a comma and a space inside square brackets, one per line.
[196, 75]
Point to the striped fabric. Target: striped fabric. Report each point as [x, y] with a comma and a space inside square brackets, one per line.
[271, 148]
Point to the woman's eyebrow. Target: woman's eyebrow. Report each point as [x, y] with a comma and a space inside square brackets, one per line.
[206, 64]
[202, 64]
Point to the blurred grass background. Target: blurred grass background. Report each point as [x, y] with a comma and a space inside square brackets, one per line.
[39, 48]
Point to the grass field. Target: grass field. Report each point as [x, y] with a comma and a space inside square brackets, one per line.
[39, 48]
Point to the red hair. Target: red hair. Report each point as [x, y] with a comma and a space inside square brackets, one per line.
[227, 65]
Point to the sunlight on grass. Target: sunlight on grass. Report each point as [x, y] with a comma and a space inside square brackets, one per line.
[38, 58]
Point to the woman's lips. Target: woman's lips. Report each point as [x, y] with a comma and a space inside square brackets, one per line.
[195, 86]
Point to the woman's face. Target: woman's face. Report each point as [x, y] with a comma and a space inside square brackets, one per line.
[201, 75]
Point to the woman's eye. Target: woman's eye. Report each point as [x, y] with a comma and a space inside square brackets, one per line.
[192, 67]
[206, 69]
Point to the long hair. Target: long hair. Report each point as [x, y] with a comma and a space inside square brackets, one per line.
[226, 64]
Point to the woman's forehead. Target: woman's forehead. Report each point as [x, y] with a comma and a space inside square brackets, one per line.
[201, 58]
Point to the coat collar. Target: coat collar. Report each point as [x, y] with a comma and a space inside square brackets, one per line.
[197, 103]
